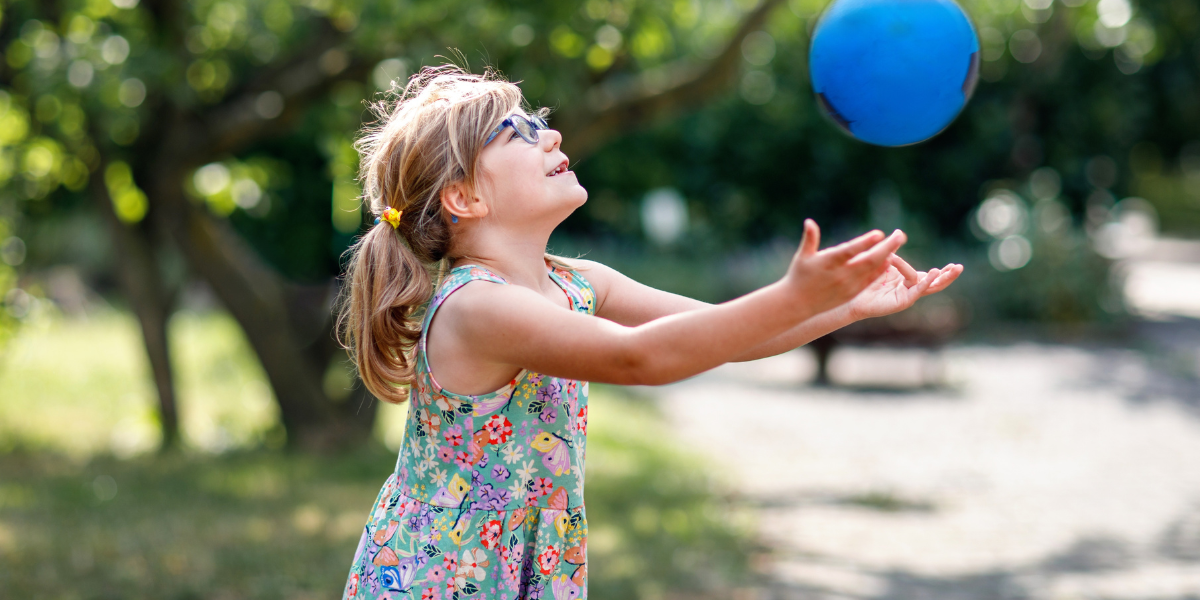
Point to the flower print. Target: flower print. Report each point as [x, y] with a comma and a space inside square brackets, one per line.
[386, 495]
[445, 453]
[496, 500]
[373, 582]
[500, 473]
[536, 379]
[481, 492]
[513, 453]
[517, 486]
[439, 477]
[462, 459]
[435, 573]
[548, 559]
[446, 403]
[425, 465]
[489, 534]
[454, 435]
[549, 414]
[431, 594]
[571, 385]
[431, 422]
[551, 394]
[543, 486]
[450, 563]
[352, 586]
[525, 473]
[581, 421]
[483, 460]
[499, 428]
[421, 520]
[472, 564]
[512, 570]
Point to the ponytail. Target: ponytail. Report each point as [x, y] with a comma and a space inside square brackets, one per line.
[427, 139]
[379, 322]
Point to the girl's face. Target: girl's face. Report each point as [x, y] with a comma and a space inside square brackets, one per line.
[528, 184]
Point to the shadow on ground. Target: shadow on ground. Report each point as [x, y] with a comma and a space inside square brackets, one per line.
[1092, 567]
[262, 524]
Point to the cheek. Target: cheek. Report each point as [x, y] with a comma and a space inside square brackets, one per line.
[518, 175]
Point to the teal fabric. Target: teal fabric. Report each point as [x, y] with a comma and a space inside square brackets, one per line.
[486, 500]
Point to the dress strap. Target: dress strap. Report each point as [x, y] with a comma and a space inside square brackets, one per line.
[577, 287]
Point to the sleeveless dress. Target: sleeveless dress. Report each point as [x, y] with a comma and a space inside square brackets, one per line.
[486, 500]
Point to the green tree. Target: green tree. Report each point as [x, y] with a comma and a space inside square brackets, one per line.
[221, 130]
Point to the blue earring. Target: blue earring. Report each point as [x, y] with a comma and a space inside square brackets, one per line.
[453, 218]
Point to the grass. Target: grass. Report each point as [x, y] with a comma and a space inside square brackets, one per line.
[88, 510]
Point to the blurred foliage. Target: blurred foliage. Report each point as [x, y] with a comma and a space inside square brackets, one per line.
[1064, 83]
[227, 520]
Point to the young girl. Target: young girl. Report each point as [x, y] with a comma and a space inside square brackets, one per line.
[487, 498]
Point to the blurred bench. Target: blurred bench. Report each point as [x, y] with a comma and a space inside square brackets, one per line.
[928, 326]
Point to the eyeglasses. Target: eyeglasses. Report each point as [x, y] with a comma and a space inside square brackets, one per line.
[526, 127]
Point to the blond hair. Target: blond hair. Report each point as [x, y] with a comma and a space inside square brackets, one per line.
[426, 137]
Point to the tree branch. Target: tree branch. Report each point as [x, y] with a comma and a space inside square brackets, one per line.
[684, 83]
[235, 123]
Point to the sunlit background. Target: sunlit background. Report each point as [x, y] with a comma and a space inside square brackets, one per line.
[177, 187]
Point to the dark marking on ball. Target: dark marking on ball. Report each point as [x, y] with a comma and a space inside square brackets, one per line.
[833, 112]
[968, 86]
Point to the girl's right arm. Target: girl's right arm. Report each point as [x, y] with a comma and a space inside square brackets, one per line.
[517, 327]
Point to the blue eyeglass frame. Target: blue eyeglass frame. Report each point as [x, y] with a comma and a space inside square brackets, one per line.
[534, 124]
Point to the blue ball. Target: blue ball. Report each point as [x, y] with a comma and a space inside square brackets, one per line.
[893, 72]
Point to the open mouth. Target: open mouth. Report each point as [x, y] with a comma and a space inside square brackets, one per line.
[559, 170]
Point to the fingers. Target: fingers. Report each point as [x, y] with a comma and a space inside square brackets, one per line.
[848, 250]
[944, 279]
[911, 276]
[927, 281]
[811, 240]
[878, 255]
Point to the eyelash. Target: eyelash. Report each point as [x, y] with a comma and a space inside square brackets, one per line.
[514, 135]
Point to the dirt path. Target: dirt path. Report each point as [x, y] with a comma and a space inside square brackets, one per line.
[1041, 472]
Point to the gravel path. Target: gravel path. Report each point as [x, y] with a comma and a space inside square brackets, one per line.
[1040, 472]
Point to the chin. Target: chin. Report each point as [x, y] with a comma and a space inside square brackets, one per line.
[583, 196]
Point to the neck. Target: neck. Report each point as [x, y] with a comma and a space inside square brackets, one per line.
[520, 259]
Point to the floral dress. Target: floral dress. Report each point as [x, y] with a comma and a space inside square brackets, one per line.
[487, 497]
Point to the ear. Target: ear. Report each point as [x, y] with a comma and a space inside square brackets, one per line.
[460, 202]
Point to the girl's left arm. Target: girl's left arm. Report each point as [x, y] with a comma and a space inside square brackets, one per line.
[625, 301]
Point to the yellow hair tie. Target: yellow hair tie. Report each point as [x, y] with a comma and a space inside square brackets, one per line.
[392, 216]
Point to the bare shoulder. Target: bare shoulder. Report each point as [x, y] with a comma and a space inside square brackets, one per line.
[482, 301]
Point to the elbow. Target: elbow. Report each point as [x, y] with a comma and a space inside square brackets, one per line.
[638, 364]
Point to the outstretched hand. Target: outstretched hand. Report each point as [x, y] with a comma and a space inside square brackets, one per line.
[899, 287]
[833, 276]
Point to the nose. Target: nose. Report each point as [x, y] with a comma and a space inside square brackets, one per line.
[551, 139]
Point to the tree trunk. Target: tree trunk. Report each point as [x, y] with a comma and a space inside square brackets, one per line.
[148, 297]
[259, 300]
